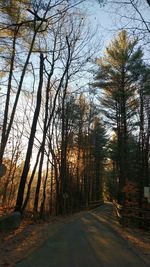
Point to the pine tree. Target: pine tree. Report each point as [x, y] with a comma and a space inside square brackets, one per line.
[118, 73]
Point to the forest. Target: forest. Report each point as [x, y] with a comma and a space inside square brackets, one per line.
[74, 123]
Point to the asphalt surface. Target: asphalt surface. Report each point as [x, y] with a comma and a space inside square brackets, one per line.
[84, 242]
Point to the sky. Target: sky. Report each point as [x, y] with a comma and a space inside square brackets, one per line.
[112, 18]
[100, 18]
[105, 21]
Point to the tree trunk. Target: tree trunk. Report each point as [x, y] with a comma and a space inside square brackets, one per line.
[31, 139]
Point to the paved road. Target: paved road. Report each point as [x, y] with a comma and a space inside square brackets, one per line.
[85, 242]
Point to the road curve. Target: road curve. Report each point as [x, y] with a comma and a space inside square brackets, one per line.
[84, 242]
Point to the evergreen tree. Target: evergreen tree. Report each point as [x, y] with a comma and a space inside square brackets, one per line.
[118, 72]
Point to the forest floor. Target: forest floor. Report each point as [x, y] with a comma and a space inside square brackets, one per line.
[17, 245]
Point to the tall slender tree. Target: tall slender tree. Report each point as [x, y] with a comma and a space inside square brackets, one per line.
[117, 76]
[31, 139]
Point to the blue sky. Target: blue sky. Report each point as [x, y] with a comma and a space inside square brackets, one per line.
[99, 16]
[112, 18]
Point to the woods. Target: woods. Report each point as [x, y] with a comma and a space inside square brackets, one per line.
[120, 75]
[45, 122]
[70, 139]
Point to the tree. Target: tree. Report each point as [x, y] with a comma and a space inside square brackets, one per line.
[52, 31]
[31, 139]
[144, 127]
[64, 59]
[23, 23]
[117, 75]
[15, 25]
[133, 12]
[99, 142]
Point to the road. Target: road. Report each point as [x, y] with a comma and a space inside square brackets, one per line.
[85, 242]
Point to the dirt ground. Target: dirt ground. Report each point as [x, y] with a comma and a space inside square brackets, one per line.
[139, 240]
[18, 244]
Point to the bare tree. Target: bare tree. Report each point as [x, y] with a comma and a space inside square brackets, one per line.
[31, 139]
